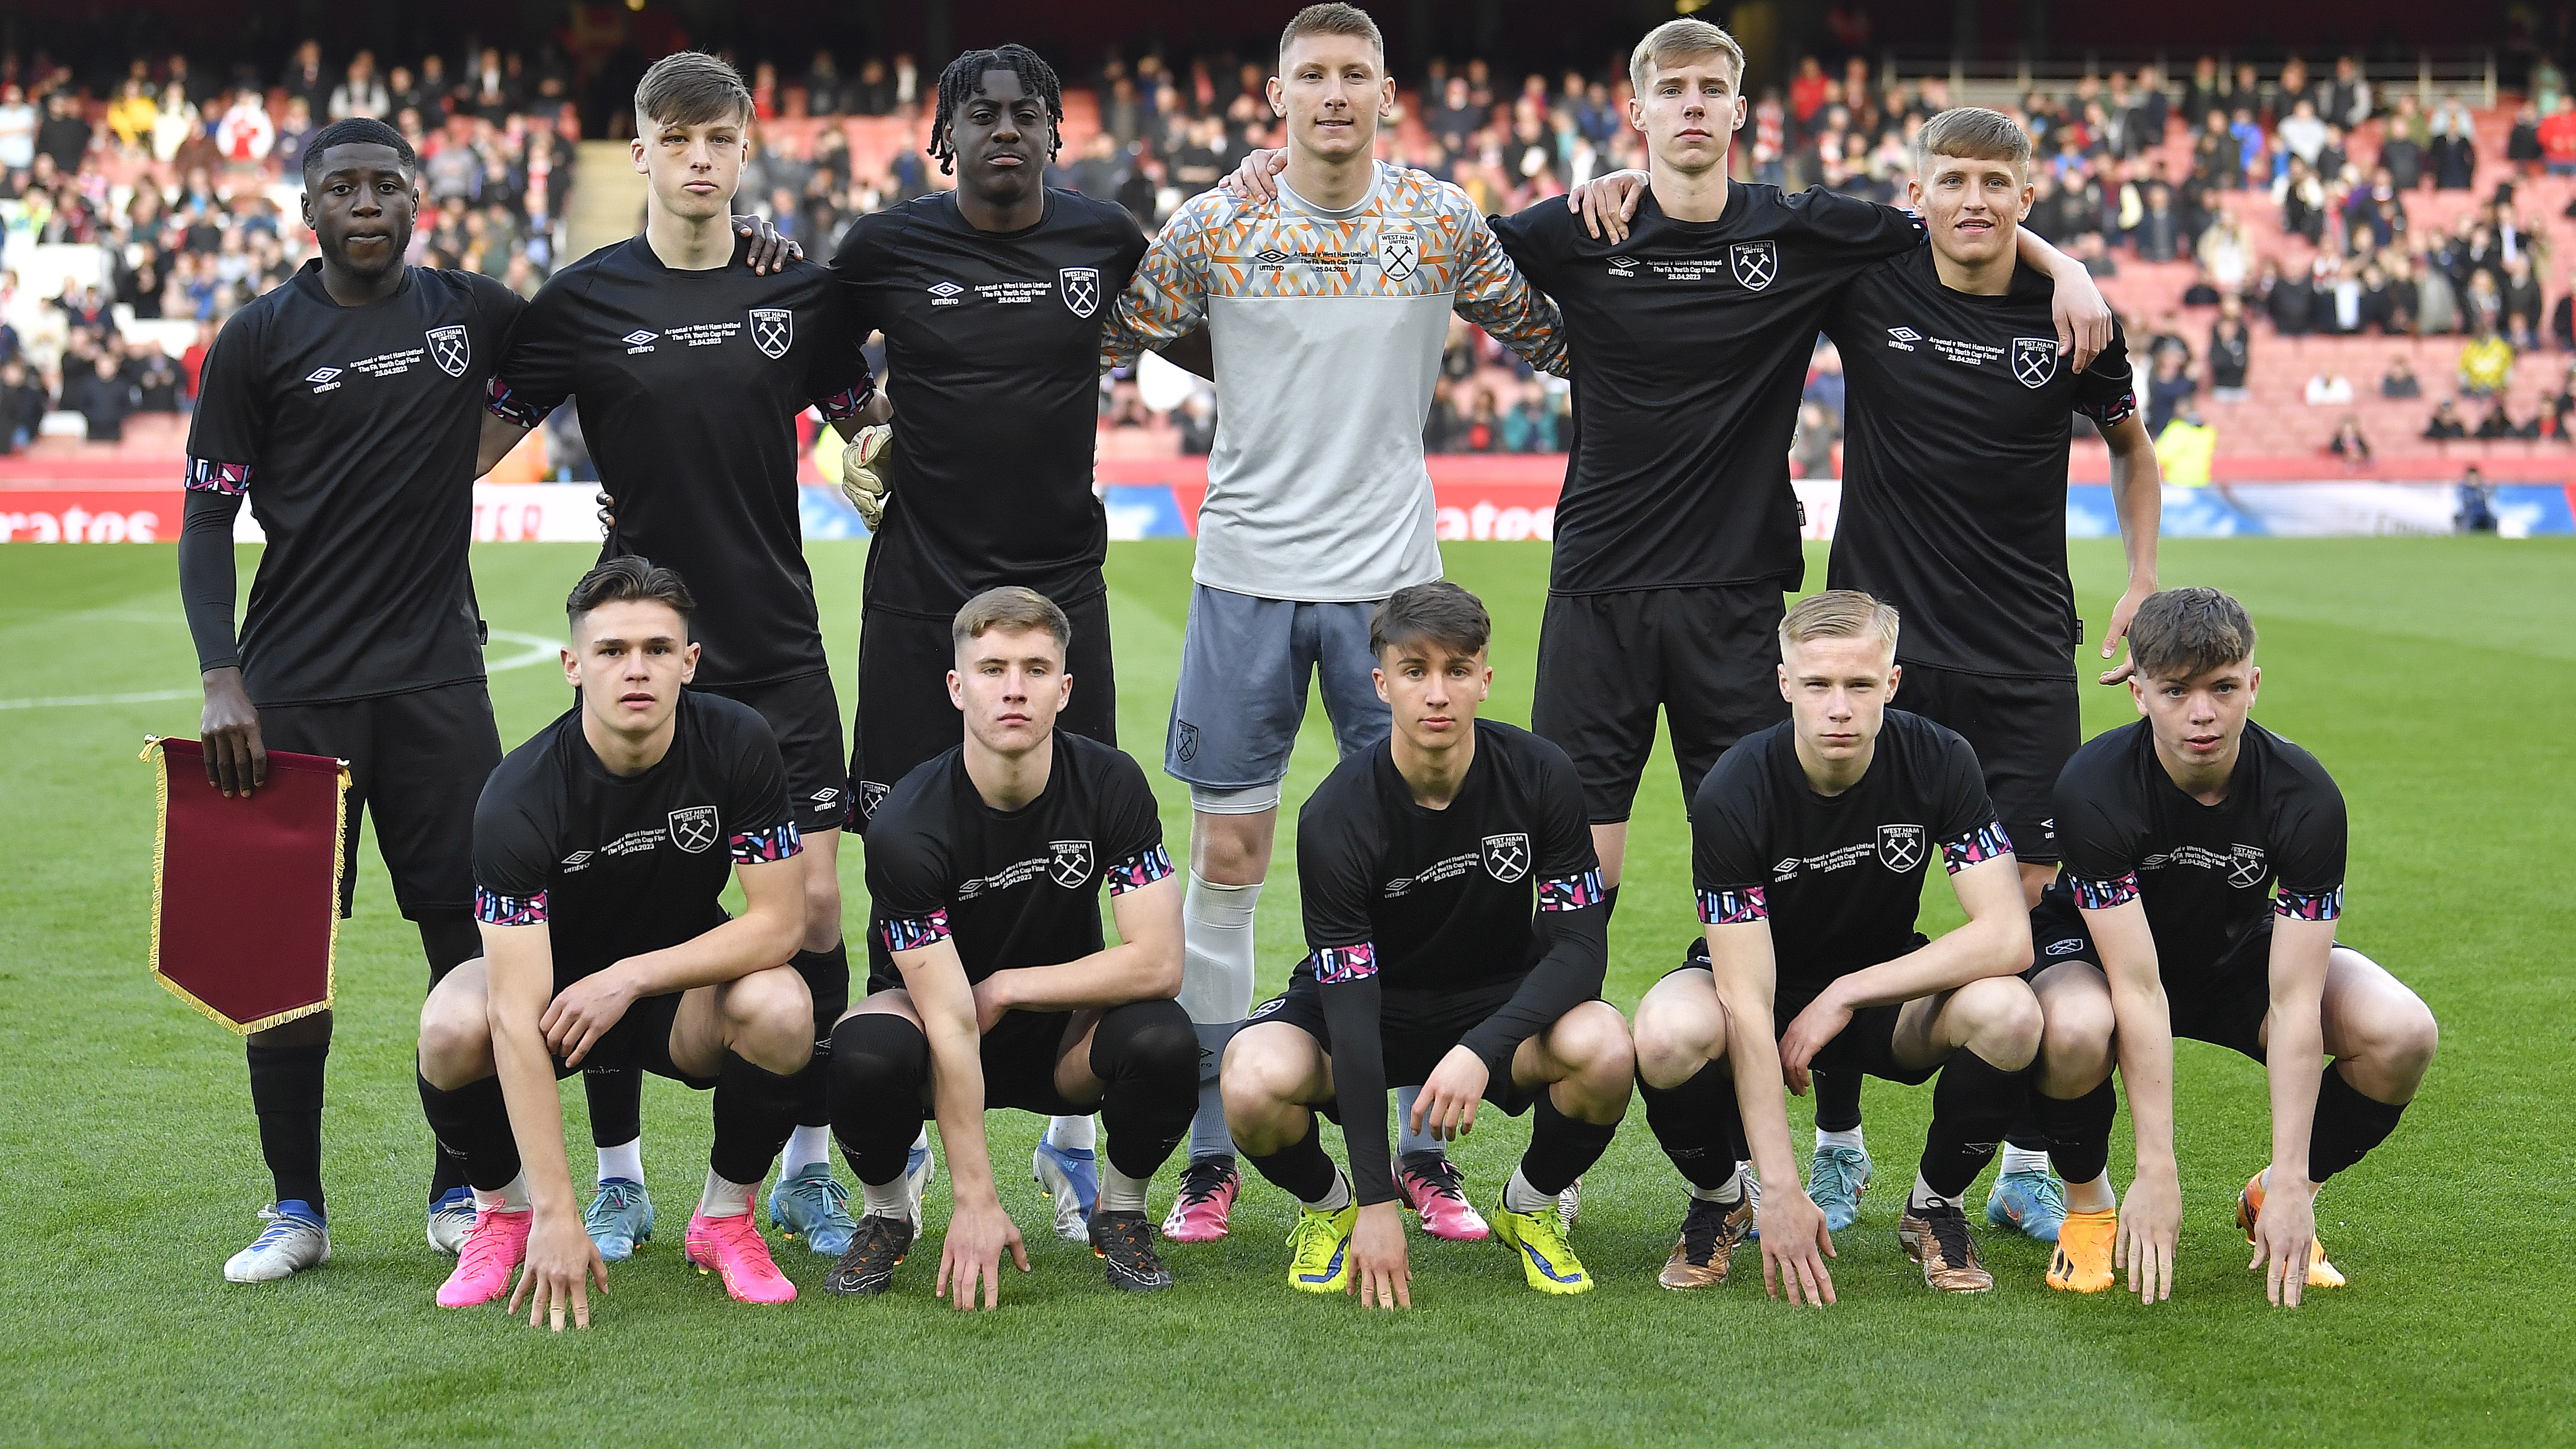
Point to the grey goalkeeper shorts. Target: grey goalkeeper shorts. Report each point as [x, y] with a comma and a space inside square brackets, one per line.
[1245, 667]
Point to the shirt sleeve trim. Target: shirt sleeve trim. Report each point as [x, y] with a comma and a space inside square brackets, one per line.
[1982, 844]
[2102, 895]
[511, 408]
[846, 403]
[1736, 907]
[1335, 965]
[913, 934]
[1140, 870]
[494, 909]
[760, 847]
[2309, 905]
[2113, 412]
[206, 475]
[1571, 893]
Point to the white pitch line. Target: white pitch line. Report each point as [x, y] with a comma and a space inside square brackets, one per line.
[537, 650]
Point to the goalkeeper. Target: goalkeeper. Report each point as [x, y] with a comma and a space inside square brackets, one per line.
[991, 298]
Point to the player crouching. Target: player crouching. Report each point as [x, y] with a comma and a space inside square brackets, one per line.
[1453, 914]
[2204, 876]
[1810, 842]
[989, 985]
[600, 849]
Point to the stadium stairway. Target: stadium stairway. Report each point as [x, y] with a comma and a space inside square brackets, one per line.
[607, 198]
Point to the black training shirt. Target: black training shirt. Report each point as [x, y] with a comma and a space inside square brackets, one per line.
[1012, 888]
[1690, 343]
[1954, 464]
[1839, 877]
[618, 866]
[1501, 885]
[993, 359]
[2208, 873]
[689, 383]
[352, 430]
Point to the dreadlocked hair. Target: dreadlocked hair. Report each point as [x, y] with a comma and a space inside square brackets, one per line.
[965, 76]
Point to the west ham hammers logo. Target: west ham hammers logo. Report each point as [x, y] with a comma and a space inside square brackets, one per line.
[1756, 263]
[451, 349]
[1080, 287]
[2034, 360]
[773, 330]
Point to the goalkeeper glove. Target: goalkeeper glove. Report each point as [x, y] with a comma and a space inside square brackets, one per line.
[861, 482]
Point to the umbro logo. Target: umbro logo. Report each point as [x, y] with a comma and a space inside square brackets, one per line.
[322, 375]
[639, 339]
[945, 289]
[1904, 334]
[1270, 256]
[577, 859]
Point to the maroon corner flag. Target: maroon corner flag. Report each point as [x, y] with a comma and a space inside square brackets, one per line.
[246, 892]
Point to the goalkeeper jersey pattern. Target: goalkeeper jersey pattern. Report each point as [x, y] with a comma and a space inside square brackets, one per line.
[1327, 328]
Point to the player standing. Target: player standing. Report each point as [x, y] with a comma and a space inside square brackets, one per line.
[1809, 845]
[1954, 511]
[597, 869]
[1328, 305]
[342, 404]
[992, 299]
[689, 373]
[2204, 876]
[1456, 943]
[989, 984]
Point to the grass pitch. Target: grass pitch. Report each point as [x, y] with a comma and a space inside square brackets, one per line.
[2432, 676]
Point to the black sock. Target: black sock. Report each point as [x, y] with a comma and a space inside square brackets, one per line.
[286, 1093]
[2077, 1131]
[827, 979]
[449, 939]
[755, 1110]
[1148, 1053]
[1837, 1100]
[1561, 1147]
[473, 1125]
[1972, 1104]
[1299, 1169]
[1697, 1124]
[2026, 1133]
[616, 1098]
[879, 1063]
[2347, 1125]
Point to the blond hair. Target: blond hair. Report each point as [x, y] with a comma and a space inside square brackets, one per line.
[1976, 133]
[1839, 614]
[1335, 19]
[1013, 610]
[1679, 40]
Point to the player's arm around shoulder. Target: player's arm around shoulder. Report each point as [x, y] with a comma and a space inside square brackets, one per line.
[1167, 299]
[1492, 291]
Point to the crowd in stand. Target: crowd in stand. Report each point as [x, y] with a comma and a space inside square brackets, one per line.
[185, 177]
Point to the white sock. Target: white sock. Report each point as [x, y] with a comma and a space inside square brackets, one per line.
[2021, 1159]
[1731, 1190]
[1924, 1196]
[1520, 1197]
[805, 1147]
[724, 1199]
[1849, 1139]
[510, 1199]
[1120, 1193]
[2092, 1197]
[625, 1160]
[1335, 1200]
[891, 1200]
[1071, 1133]
[1216, 949]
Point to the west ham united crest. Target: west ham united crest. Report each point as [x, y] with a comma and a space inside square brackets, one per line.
[2034, 360]
[1080, 287]
[694, 829]
[2245, 867]
[1756, 264]
[1507, 857]
[1399, 252]
[1900, 847]
[773, 330]
[1070, 866]
[451, 349]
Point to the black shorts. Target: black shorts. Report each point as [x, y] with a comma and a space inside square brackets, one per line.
[641, 1039]
[2222, 1002]
[1867, 1044]
[1415, 1030]
[1708, 656]
[2023, 730]
[807, 721]
[904, 716]
[420, 759]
